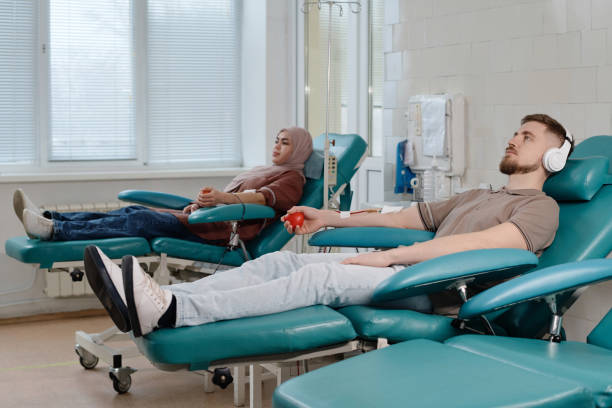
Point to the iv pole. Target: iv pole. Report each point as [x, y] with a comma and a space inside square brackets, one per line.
[354, 7]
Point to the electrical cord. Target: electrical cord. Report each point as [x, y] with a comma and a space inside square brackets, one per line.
[227, 246]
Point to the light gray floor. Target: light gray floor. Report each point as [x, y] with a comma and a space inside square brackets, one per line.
[39, 368]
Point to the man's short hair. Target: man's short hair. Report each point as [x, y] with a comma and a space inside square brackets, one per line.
[552, 125]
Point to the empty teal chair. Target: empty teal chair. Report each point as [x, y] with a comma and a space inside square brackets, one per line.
[477, 371]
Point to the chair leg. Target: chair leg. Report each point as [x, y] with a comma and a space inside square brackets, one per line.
[208, 385]
[161, 274]
[282, 375]
[255, 386]
[239, 386]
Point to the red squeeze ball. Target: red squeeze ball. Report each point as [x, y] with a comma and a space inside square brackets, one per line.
[296, 219]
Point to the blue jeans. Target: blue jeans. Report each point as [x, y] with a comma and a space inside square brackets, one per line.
[132, 221]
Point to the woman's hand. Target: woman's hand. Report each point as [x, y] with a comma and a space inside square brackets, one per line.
[190, 208]
[376, 258]
[313, 220]
[209, 197]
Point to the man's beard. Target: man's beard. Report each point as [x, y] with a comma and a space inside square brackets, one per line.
[509, 167]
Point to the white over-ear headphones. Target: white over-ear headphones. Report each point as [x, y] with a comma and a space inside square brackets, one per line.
[554, 159]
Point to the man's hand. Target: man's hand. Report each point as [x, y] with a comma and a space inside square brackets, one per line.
[190, 208]
[313, 220]
[209, 197]
[377, 258]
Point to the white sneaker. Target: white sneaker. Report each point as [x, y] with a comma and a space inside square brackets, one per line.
[36, 225]
[146, 300]
[106, 281]
[20, 202]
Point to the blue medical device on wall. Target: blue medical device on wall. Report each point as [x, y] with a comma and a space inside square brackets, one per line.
[403, 174]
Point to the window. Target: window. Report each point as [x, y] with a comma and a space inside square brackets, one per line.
[17, 81]
[138, 82]
[90, 77]
[357, 64]
[194, 81]
[377, 72]
[341, 93]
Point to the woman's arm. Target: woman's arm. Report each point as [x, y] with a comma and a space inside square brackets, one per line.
[209, 197]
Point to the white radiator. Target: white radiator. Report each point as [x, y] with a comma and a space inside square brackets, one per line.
[59, 281]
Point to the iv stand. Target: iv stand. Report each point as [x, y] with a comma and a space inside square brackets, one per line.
[354, 7]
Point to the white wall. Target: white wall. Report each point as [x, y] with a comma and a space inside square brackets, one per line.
[509, 58]
[270, 105]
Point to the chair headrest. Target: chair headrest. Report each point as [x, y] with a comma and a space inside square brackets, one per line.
[580, 180]
[313, 167]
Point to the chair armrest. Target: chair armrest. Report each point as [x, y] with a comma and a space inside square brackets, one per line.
[154, 199]
[537, 285]
[450, 271]
[231, 212]
[369, 237]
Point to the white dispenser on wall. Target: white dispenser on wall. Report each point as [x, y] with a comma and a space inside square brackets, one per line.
[436, 132]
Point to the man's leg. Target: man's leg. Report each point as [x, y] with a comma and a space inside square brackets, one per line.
[329, 283]
[265, 268]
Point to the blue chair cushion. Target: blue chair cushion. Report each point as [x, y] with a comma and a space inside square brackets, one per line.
[582, 363]
[369, 237]
[398, 325]
[178, 248]
[46, 253]
[422, 373]
[154, 199]
[438, 274]
[231, 212]
[602, 333]
[580, 180]
[313, 167]
[287, 332]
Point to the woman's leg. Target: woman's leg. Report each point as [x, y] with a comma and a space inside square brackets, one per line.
[329, 283]
[134, 222]
[88, 216]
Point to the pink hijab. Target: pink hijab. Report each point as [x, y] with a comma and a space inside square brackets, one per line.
[302, 149]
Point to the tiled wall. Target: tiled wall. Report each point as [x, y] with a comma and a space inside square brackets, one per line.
[509, 58]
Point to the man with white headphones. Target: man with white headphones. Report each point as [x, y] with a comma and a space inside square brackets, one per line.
[519, 215]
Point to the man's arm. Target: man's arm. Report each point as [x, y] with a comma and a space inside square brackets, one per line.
[316, 219]
[505, 235]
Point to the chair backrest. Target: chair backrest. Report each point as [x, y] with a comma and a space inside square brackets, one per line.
[602, 333]
[585, 225]
[349, 150]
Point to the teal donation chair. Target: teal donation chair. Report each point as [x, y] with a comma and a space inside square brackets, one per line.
[478, 371]
[583, 186]
[286, 335]
[583, 191]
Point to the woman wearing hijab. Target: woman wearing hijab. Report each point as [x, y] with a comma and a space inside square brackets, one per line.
[278, 186]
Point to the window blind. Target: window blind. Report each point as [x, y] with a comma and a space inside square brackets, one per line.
[377, 24]
[18, 24]
[193, 79]
[90, 80]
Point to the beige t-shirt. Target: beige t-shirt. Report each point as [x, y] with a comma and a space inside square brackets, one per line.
[534, 213]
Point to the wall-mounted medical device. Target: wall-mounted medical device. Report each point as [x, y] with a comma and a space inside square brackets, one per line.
[435, 134]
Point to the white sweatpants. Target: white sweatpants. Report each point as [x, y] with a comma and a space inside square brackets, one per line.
[275, 283]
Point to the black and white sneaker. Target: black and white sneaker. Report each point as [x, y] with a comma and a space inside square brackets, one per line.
[106, 281]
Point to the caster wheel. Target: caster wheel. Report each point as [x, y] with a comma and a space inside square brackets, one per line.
[222, 377]
[121, 386]
[87, 360]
